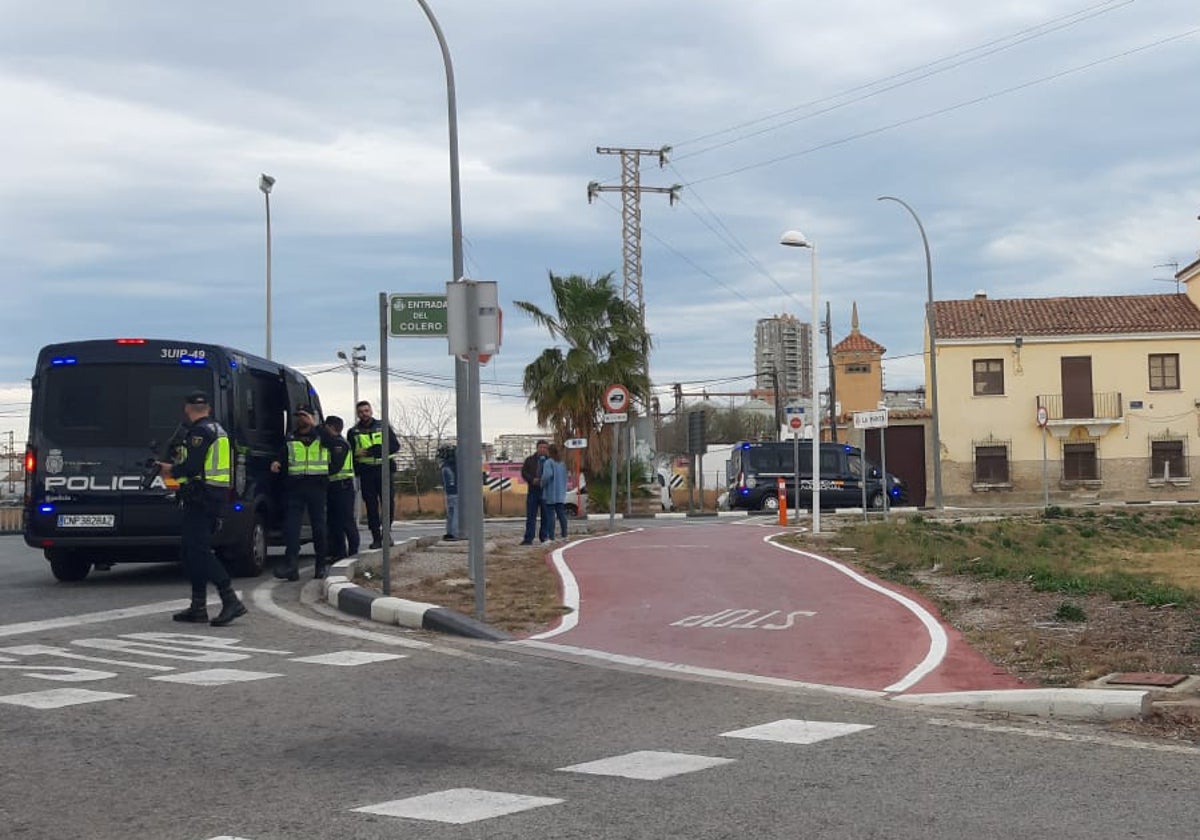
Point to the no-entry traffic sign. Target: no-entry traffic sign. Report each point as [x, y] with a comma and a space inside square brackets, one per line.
[616, 399]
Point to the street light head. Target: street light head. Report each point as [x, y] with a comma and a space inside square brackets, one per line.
[265, 182]
[342, 355]
[795, 239]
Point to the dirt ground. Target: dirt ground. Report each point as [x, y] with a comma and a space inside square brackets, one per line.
[1024, 631]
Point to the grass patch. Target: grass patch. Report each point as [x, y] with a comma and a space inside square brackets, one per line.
[1148, 558]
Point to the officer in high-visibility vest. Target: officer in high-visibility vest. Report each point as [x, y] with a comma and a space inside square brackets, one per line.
[366, 440]
[203, 468]
[305, 460]
[343, 530]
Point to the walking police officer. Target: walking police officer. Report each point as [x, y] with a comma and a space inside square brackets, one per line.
[366, 440]
[305, 458]
[343, 530]
[203, 470]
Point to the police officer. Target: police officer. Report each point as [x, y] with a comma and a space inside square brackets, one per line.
[305, 460]
[366, 440]
[202, 469]
[343, 530]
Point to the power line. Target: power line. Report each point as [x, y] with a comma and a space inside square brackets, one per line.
[938, 66]
[949, 108]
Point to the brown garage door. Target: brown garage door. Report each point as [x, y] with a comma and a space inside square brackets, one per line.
[905, 457]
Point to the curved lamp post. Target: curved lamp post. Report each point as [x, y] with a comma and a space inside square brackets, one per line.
[469, 425]
[929, 325]
[796, 239]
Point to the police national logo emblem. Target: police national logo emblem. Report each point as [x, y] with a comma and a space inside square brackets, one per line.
[54, 462]
[197, 440]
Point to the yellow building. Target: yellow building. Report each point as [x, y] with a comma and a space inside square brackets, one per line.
[858, 370]
[1114, 382]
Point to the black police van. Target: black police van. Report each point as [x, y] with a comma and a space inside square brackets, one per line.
[754, 469]
[104, 410]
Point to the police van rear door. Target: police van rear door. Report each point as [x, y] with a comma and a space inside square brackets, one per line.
[96, 421]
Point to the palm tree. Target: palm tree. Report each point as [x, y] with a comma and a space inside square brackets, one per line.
[606, 344]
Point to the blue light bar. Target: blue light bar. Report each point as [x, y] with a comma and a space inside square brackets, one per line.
[191, 360]
[46, 509]
[63, 360]
[237, 506]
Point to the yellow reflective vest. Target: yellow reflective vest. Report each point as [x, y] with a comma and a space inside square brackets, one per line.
[218, 470]
[310, 459]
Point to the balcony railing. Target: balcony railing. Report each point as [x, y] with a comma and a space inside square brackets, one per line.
[1104, 406]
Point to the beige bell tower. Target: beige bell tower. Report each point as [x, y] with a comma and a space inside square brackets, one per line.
[858, 367]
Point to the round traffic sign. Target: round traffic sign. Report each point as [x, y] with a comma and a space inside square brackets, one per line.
[616, 398]
[1042, 416]
[796, 422]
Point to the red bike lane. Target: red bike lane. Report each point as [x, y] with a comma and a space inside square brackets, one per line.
[720, 597]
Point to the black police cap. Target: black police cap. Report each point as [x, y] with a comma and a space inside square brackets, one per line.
[197, 398]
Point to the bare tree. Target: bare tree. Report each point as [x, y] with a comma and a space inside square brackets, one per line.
[423, 424]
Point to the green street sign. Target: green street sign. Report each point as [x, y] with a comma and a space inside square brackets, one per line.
[418, 316]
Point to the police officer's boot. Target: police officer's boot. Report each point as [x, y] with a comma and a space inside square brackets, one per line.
[196, 613]
[231, 608]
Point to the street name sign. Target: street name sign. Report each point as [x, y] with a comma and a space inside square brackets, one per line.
[575, 443]
[871, 419]
[418, 316]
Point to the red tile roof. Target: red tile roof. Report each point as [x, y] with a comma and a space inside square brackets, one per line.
[1109, 315]
[856, 342]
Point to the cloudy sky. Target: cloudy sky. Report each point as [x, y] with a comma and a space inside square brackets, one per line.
[1050, 148]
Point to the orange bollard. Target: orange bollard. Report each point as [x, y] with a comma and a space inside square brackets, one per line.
[781, 486]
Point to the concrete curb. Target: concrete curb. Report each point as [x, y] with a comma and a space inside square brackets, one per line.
[1085, 704]
[341, 593]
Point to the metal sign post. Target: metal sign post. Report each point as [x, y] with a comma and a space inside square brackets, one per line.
[1043, 418]
[578, 444]
[385, 499]
[874, 420]
[862, 472]
[796, 423]
[616, 401]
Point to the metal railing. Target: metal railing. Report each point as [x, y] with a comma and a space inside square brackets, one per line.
[1105, 406]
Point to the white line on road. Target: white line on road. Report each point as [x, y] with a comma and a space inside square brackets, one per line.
[570, 585]
[91, 618]
[640, 663]
[938, 643]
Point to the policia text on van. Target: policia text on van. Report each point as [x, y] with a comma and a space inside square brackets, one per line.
[754, 470]
[101, 408]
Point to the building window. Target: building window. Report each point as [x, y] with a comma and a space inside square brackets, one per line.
[858, 368]
[1079, 462]
[1167, 460]
[1164, 371]
[991, 464]
[989, 377]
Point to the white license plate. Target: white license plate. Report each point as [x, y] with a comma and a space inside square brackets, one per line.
[87, 520]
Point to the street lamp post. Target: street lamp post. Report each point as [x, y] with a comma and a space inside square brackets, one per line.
[358, 355]
[469, 422]
[265, 182]
[932, 329]
[796, 239]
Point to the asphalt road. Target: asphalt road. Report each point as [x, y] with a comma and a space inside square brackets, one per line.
[293, 724]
